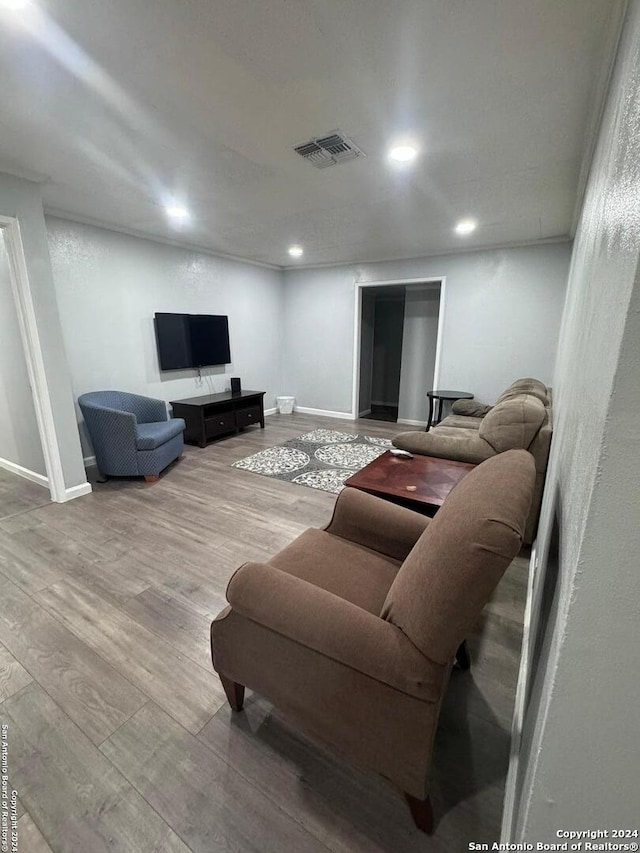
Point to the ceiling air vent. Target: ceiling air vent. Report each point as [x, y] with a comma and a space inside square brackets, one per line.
[329, 150]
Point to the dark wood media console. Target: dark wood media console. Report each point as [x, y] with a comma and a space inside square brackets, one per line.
[219, 414]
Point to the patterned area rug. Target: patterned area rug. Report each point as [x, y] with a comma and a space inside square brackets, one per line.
[321, 459]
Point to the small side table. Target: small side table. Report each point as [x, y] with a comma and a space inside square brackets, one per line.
[441, 396]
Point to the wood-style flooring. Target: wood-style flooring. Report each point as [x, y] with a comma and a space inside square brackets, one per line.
[119, 735]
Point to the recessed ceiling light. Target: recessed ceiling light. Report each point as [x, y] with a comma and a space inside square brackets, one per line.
[403, 153]
[296, 251]
[466, 226]
[177, 211]
[14, 5]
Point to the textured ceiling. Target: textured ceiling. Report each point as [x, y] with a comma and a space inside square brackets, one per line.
[120, 106]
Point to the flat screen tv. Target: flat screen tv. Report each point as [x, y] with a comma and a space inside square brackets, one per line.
[192, 340]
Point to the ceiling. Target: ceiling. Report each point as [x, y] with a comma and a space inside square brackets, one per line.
[121, 107]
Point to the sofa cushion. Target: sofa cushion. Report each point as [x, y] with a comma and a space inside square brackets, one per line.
[150, 436]
[471, 408]
[513, 423]
[460, 422]
[453, 568]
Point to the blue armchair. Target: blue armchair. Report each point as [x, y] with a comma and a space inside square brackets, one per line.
[131, 435]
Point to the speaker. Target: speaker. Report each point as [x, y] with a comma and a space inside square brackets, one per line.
[235, 385]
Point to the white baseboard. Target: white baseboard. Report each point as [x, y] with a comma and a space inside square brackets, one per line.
[40, 479]
[89, 461]
[364, 413]
[271, 411]
[411, 423]
[76, 492]
[347, 416]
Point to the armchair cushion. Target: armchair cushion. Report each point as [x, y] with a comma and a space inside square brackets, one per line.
[350, 571]
[152, 435]
[381, 525]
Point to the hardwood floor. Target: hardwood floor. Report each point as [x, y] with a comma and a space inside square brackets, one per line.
[119, 734]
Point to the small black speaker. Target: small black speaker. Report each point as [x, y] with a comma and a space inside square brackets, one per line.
[235, 385]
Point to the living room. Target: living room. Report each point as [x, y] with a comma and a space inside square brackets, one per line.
[150, 563]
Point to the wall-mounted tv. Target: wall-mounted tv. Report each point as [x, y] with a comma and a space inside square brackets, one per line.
[192, 340]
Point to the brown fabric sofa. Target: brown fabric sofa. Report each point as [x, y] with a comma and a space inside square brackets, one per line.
[521, 418]
[351, 631]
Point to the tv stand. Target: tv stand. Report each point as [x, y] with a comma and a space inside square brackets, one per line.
[216, 415]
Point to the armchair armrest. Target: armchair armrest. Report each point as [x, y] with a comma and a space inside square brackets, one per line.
[464, 448]
[113, 436]
[377, 524]
[334, 627]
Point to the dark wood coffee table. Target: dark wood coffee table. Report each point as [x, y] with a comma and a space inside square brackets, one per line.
[393, 477]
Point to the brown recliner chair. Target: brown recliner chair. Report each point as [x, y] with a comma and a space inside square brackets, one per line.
[351, 631]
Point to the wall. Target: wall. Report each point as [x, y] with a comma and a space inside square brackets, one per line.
[418, 352]
[109, 286]
[578, 763]
[19, 436]
[22, 200]
[387, 349]
[502, 316]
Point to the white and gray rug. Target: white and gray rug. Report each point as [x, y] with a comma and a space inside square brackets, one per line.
[321, 459]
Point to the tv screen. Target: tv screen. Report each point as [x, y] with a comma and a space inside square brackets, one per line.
[209, 339]
[192, 340]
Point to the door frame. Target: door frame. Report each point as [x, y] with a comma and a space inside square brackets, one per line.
[23, 300]
[357, 329]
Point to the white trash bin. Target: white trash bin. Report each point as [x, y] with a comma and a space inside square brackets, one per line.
[285, 405]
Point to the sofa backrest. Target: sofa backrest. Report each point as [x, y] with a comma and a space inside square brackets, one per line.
[454, 567]
[513, 423]
[526, 386]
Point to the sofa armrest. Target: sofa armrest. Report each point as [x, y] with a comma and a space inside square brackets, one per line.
[377, 524]
[334, 627]
[465, 448]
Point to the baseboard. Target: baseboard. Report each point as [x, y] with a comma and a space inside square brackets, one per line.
[271, 411]
[76, 492]
[346, 416]
[408, 422]
[40, 479]
[89, 461]
[380, 403]
[364, 413]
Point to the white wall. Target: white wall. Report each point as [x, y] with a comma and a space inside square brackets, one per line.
[22, 200]
[109, 286]
[579, 756]
[19, 436]
[419, 341]
[502, 316]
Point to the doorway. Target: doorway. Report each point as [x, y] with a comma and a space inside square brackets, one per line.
[381, 353]
[397, 345]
